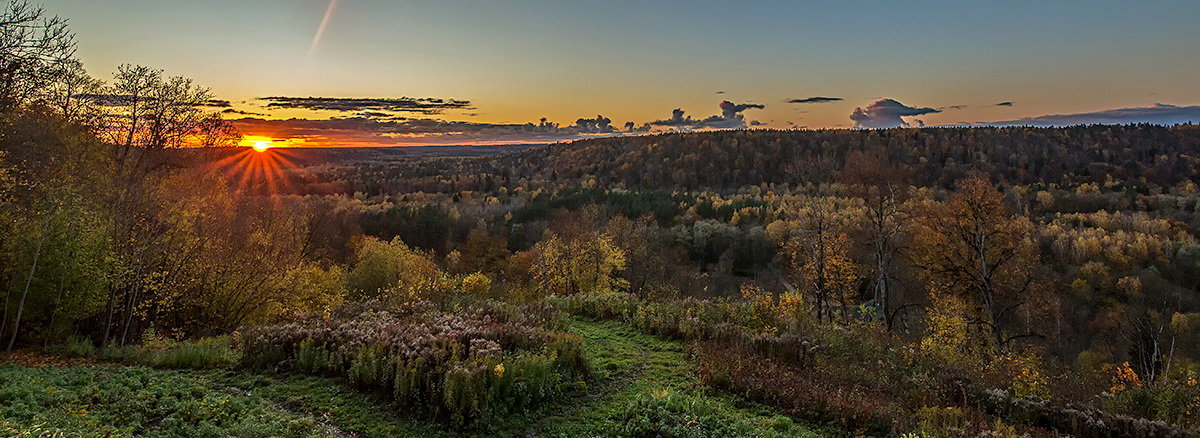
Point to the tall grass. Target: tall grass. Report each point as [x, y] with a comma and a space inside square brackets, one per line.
[204, 353]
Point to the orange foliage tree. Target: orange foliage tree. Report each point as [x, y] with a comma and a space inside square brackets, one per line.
[971, 246]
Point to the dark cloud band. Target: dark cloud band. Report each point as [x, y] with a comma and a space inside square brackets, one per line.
[421, 105]
[817, 99]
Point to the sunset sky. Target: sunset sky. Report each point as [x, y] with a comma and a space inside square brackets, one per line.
[476, 71]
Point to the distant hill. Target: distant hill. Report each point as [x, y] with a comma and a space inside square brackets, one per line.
[1139, 156]
[935, 156]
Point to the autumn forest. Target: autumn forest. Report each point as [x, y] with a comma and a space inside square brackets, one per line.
[160, 280]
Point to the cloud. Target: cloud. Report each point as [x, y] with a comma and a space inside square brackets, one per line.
[730, 110]
[111, 100]
[730, 118]
[1159, 114]
[421, 105]
[1005, 104]
[886, 113]
[240, 112]
[677, 119]
[634, 128]
[600, 124]
[376, 115]
[398, 131]
[817, 99]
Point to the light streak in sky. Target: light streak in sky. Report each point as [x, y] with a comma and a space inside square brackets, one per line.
[324, 23]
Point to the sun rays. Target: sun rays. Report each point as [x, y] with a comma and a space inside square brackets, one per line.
[260, 170]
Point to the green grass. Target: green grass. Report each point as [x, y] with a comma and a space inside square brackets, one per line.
[644, 386]
[123, 401]
[637, 371]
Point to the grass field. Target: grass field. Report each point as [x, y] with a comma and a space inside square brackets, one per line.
[645, 386]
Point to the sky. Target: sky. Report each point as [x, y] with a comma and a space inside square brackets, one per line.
[394, 72]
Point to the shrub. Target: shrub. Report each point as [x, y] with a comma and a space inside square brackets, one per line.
[477, 364]
[204, 353]
[129, 354]
[76, 346]
[850, 406]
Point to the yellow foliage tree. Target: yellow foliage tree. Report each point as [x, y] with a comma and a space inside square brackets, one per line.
[586, 263]
[949, 332]
[476, 283]
[311, 288]
[393, 271]
[820, 261]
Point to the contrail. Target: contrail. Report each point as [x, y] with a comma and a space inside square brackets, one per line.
[324, 24]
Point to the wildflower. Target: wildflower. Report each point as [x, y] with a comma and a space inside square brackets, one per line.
[498, 370]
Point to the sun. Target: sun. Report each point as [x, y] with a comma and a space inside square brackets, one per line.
[261, 145]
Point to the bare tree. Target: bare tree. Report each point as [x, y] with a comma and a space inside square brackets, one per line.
[150, 111]
[884, 187]
[70, 94]
[32, 48]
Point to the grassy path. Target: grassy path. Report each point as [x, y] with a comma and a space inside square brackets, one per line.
[632, 365]
[631, 368]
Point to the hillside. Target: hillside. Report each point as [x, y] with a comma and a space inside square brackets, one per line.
[1140, 156]
[934, 156]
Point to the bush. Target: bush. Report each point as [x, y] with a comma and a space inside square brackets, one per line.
[204, 353]
[76, 346]
[802, 393]
[128, 354]
[477, 364]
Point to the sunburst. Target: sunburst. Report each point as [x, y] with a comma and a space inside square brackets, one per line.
[262, 171]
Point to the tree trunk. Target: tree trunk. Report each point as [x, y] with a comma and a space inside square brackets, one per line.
[112, 297]
[62, 279]
[37, 253]
[12, 284]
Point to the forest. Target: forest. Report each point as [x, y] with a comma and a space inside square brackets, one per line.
[918, 282]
